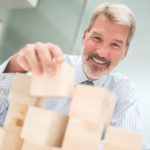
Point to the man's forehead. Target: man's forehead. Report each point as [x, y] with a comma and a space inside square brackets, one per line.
[98, 33]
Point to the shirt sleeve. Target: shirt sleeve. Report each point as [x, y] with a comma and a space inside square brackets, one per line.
[5, 83]
[4, 65]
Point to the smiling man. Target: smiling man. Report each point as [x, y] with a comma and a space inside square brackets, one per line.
[105, 43]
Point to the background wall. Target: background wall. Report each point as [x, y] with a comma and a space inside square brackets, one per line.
[63, 22]
[52, 20]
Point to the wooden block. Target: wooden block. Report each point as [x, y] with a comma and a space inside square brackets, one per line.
[41, 102]
[55, 148]
[28, 145]
[59, 85]
[10, 141]
[17, 110]
[122, 138]
[44, 127]
[20, 90]
[92, 103]
[82, 135]
[15, 117]
[109, 146]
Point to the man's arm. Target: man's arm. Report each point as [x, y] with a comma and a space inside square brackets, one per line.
[12, 65]
[5, 83]
[38, 58]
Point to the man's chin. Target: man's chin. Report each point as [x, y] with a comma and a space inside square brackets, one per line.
[93, 76]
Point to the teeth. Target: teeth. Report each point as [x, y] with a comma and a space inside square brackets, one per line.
[99, 61]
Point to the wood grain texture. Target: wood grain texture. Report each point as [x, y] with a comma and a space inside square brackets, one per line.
[44, 127]
[20, 90]
[61, 84]
[92, 103]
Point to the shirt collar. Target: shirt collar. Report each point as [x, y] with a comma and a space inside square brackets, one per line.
[80, 75]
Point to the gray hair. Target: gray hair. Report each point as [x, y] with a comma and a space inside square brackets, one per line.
[117, 13]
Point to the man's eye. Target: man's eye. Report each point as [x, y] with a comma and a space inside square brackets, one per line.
[115, 45]
[96, 39]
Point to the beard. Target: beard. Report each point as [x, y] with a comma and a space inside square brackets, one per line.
[95, 66]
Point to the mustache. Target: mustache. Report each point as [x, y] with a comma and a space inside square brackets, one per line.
[93, 55]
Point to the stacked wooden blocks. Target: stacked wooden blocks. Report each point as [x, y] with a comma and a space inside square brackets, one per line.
[30, 127]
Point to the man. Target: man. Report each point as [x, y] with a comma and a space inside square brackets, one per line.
[105, 43]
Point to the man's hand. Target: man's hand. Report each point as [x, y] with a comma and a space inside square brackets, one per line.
[38, 57]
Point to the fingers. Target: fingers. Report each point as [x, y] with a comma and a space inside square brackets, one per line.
[56, 52]
[40, 57]
[23, 62]
[45, 58]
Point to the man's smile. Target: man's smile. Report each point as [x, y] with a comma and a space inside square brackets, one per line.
[101, 61]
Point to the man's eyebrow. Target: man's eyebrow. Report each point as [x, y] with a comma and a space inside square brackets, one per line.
[99, 34]
[119, 41]
[95, 32]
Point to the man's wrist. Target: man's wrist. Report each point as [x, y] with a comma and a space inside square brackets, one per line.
[12, 66]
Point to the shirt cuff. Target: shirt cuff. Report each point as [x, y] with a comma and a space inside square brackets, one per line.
[4, 65]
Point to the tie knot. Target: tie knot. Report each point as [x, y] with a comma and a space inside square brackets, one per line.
[87, 82]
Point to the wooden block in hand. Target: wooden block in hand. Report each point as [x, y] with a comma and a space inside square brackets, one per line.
[10, 140]
[28, 145]
[56, 148]
[20, 90]
[15, 117]
[44, 127]
[92, 103]
[82, 135]
[123, 139]
[60, 84]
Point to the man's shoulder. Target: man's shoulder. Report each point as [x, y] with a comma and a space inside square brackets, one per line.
[119, 80]
[118, 76]
[121, 85]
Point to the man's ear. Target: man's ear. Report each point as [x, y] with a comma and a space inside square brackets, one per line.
[84, 35]
[125, 53]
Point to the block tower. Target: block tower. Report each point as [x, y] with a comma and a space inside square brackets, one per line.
[28, 126]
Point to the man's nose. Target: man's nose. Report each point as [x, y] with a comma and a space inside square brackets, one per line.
[102, 52]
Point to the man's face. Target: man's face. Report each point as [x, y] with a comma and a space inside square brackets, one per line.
[104, 45]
